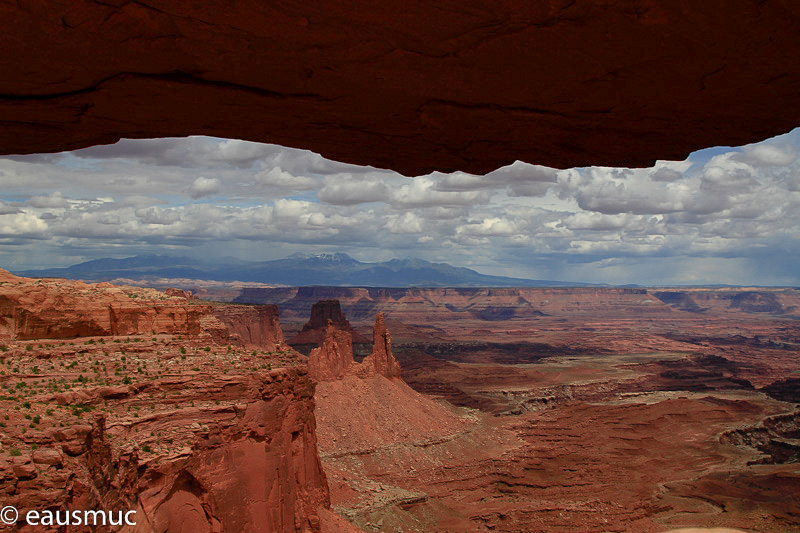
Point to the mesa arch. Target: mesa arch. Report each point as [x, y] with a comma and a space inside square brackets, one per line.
[405, 84]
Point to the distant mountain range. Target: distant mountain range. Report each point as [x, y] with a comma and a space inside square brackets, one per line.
[337, 269]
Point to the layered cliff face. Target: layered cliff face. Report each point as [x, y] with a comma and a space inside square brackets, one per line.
[410, 86]
[333, 359]
[57, 308]
[204, 424]
[486, 304]
[426, 305]
[253, 325]
[255, 468]
[188, 451]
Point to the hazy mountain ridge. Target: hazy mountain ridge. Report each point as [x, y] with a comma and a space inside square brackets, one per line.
[334, 269]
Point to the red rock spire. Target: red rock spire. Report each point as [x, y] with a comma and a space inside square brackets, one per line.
[381, 360]
[334, 357]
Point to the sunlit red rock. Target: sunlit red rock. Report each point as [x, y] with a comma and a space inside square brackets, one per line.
[381, 360]
[243, 463]
[58, 308]
[333, 359]
[180, 293]
[614, 410]
[253, 325]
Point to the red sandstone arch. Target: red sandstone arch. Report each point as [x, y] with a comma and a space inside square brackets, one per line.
[405, 84]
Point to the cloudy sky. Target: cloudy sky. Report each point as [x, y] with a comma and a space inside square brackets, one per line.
[725, 215]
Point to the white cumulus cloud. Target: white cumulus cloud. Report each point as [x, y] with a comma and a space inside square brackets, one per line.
[203, 186]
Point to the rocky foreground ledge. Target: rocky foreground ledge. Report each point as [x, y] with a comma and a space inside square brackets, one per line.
[197, 417]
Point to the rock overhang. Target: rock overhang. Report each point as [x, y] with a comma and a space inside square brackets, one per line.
[414, 87]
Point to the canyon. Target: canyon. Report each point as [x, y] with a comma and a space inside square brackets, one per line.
[613, 411]
[482, 409]
[596, 409]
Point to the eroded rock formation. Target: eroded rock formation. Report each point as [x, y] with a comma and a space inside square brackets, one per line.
[174, 419]
[381, 358]
[57, 308]
[257, 325]
[776, 437]
[323, 313]
[410, 86]
[180, 293]
[232, 453]
[333, 359]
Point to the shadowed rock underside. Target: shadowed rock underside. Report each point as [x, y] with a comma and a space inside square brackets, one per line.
[412, 86]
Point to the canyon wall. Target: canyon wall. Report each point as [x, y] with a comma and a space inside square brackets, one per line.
[252, 325]
[233, 453]
[497, 304]
[180, 424]
[57, 308]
